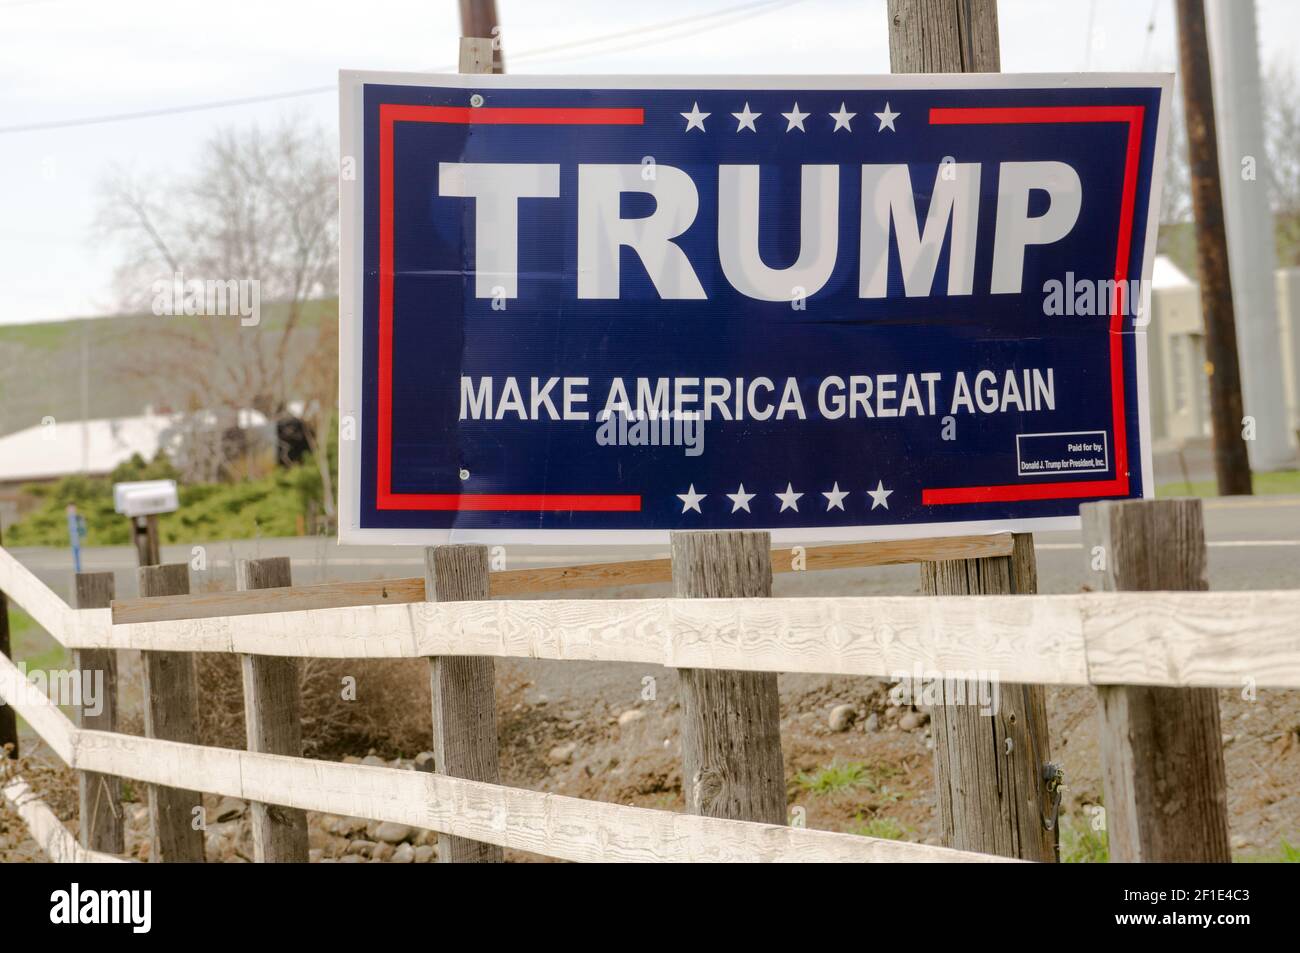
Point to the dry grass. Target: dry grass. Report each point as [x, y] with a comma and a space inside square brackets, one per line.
[349, 706]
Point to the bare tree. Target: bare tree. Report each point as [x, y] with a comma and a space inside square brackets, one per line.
[261, 206]
[1176, 191]
[1281, 172]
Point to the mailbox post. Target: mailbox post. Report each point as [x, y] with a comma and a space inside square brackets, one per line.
[141, 502]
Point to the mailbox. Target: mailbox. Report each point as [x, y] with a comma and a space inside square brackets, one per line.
[145, 497]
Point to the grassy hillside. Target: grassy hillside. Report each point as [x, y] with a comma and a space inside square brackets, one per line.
[41, 364]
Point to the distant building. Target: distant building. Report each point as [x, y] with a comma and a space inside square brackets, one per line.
[1180, 392]
[58, 448]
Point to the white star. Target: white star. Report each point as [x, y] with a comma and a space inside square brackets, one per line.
[887, 119]
[691, 500]
[695, 118]
[842, 119]
[789, 499]
[879, 496]
[745, 119]
[740, 500]
[835, 498]
[794, 119]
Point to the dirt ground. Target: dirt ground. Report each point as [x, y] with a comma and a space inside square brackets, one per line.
[874, 777]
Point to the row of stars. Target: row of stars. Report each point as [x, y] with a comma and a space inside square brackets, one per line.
[789, 499]
[794, 119]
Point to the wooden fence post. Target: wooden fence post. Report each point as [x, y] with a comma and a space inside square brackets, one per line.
[989, 765]
[8, 718]
[99, 795]
[986, 806]
[171, 713]
[273, 722]
[1161, 748]
[464, 693]
[731, 721]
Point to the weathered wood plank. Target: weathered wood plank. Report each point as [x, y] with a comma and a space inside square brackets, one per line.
[563, 827]
[329, 595]
[272, 722]
[1161, 748]
[1026, 638]
[1202, 639]
[731, 720]
[99, 796]
[40, 602]
[47, 830]
[171, 714]
[8, 721]
[464, 694]
[549, 824]
[41, 714]
[517, 582]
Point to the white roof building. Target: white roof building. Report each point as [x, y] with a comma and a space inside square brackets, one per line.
[58, 448]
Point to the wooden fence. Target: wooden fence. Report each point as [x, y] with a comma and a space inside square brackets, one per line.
[1141, 650]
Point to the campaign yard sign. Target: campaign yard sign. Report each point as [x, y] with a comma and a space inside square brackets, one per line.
[606, 308]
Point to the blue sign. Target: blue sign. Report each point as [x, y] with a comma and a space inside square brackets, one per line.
[839, 307]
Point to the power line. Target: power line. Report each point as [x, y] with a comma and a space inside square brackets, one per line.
[744, 11]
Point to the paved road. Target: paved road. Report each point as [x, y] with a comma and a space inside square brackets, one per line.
[1254, 543]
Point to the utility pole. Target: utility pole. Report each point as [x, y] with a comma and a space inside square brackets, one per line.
[1231, 464]
[478, 18]
[1252, 255]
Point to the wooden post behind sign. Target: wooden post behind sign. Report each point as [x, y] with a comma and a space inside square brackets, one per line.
[99, 796]
[144, 533]
[1161, 748]
[943, 36]
[273, 722]
[731, 721]
[996, 806]
[990, 759]
[464, 693]
[479, 23]
[464, 687]
[8, 720]
[171, 713]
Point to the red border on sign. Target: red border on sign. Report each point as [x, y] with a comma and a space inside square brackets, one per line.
[385, 498]
[1074, 489]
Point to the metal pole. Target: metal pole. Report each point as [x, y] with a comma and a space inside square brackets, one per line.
[1252, 256]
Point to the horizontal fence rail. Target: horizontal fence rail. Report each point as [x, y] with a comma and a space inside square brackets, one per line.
[1187, 639]
[517, 582]
[46, 828]
[567, 828]
[1180, 639]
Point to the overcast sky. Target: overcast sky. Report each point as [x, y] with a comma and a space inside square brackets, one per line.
[66, 60]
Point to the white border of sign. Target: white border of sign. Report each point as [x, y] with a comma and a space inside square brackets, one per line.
[351, 284]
